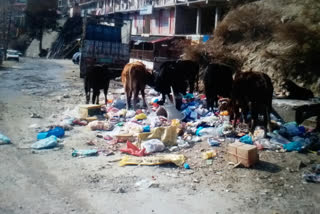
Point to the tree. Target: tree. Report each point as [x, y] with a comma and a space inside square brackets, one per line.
[41, 16]
[5, 22]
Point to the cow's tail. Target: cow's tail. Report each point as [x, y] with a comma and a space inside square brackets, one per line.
[129, 79]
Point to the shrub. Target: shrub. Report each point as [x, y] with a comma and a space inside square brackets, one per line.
[248, 22]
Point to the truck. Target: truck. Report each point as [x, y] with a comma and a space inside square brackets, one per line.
[105, 41]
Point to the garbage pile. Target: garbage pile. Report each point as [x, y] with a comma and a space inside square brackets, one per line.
[148, 132]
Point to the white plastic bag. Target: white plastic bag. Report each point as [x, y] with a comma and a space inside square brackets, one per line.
[153, 145]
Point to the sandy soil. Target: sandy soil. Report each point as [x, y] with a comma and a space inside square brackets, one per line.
[52, 181]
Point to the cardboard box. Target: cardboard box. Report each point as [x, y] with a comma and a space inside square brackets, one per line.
[86, 111]
[125, 137]
[242, 153]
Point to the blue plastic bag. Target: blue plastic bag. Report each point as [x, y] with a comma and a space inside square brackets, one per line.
[198, 130]
[293, 146]
[246, 139]
[47, 143]
[4, 139]
[290, 129]
[57, 131]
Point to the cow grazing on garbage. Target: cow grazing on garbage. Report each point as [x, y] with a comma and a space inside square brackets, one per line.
[134, 78]
[176, 74]
[96, 78]
[217, 81]
[252, 91]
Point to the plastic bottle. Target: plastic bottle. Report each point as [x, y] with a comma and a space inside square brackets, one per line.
[57, 131]
[84, 153]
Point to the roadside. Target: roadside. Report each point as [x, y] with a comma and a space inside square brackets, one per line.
[53, 181]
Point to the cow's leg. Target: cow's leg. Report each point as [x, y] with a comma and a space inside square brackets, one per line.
[236, 114]
[87, 91]
[266, 119]
[105, 91]
[254, 117]
[144, 98]
[135, 97]
[163, 99]
[178, 100]
[191, 85]
[95, 96]
[129, 95]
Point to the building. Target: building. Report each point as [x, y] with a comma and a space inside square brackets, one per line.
[156, 24]
[19, 17]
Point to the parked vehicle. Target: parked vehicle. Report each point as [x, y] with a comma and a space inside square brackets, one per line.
[76, 58]
[105, 41]
[19, 53]
[12, 55]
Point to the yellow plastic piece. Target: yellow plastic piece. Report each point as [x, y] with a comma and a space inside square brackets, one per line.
[178, 160]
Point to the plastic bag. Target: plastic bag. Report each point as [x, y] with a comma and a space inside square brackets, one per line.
[119, 104]
[290, 129]
[210, 131]
[178, 160]
[133, 128]
[246, 139]
[156, 133]
[153, 145]
[264, 143]
[57, 131]
[277, 139]
[293, 146]
[47, 143]
[130, 114]
[258, 133]
[169, 137]
[133, 150]
[4, 139]
[100, 125]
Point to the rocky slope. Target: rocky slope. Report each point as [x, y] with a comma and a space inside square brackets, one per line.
[277, 37]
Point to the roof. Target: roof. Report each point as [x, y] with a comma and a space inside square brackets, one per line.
[150, 39]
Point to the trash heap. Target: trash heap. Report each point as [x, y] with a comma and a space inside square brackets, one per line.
[159, 133]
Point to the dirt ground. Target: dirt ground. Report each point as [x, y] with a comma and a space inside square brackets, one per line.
[52, 181]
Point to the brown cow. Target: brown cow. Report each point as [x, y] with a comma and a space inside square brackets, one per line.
[252, 91]
[134, 78]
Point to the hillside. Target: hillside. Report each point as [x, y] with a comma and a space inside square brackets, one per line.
[277, 37]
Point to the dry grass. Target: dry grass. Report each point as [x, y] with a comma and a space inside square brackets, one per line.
[249, 22]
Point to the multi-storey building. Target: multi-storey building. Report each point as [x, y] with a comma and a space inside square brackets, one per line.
[156, 23]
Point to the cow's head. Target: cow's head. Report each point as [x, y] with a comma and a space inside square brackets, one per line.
[150, 77]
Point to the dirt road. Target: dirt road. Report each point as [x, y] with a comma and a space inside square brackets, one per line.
[52, 181]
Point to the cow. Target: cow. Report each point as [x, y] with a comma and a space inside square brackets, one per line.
[217, 81]
[96, 78]
[252, 91]
[176, 74]
[134, 78]
[296, 92]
